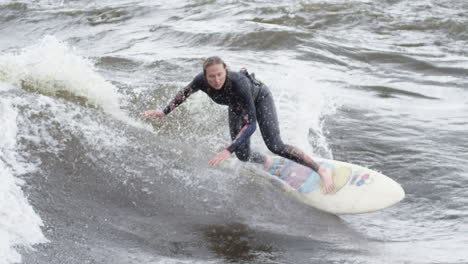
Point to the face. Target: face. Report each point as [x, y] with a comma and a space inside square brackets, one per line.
[216, 76]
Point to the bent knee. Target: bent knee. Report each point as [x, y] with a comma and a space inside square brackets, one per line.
[276, 148]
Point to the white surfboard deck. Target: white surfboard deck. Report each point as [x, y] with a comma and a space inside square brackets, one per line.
[358, 189]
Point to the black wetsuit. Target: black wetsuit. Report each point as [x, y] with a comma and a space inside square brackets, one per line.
[249, 102]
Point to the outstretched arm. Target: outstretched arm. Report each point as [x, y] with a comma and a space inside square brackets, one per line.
[179, 98]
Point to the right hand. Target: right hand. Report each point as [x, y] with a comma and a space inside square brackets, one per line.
[153, 114]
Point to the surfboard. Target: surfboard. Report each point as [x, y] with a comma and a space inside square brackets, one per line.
[357, 189]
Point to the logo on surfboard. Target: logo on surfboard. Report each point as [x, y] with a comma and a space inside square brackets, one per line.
[361, 179]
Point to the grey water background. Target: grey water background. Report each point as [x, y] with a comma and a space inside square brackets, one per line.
[382, 84]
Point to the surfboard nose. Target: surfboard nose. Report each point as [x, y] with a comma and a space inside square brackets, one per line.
[400, 193]
[393, 193]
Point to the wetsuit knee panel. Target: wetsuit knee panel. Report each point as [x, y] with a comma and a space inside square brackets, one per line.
[276, 147]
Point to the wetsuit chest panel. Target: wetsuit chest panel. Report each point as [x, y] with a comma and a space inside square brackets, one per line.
[219, 96]
[231, 94]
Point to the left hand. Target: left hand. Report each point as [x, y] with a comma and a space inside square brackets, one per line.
[220, 158]
[327, 179]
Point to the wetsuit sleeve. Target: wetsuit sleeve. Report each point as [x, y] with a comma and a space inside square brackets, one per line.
[246, 101]
[182, 95]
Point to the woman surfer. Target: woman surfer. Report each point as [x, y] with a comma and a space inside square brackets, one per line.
[249, 102]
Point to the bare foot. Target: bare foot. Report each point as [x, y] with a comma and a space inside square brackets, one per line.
[327, 179]
[268, 163]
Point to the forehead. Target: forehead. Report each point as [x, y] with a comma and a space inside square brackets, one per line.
[215, 68]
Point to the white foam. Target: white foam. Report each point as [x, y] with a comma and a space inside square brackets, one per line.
[19, 224]
[301, 103]
[51, 66]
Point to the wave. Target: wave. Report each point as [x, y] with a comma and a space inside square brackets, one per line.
[246, 36]
[20, 226]
[51, 68]
[108, 191]
[389, 92]
[11, 12]
[410, 62]
[80, 12]
[316, 16]
[118, 63]
[103, 185]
